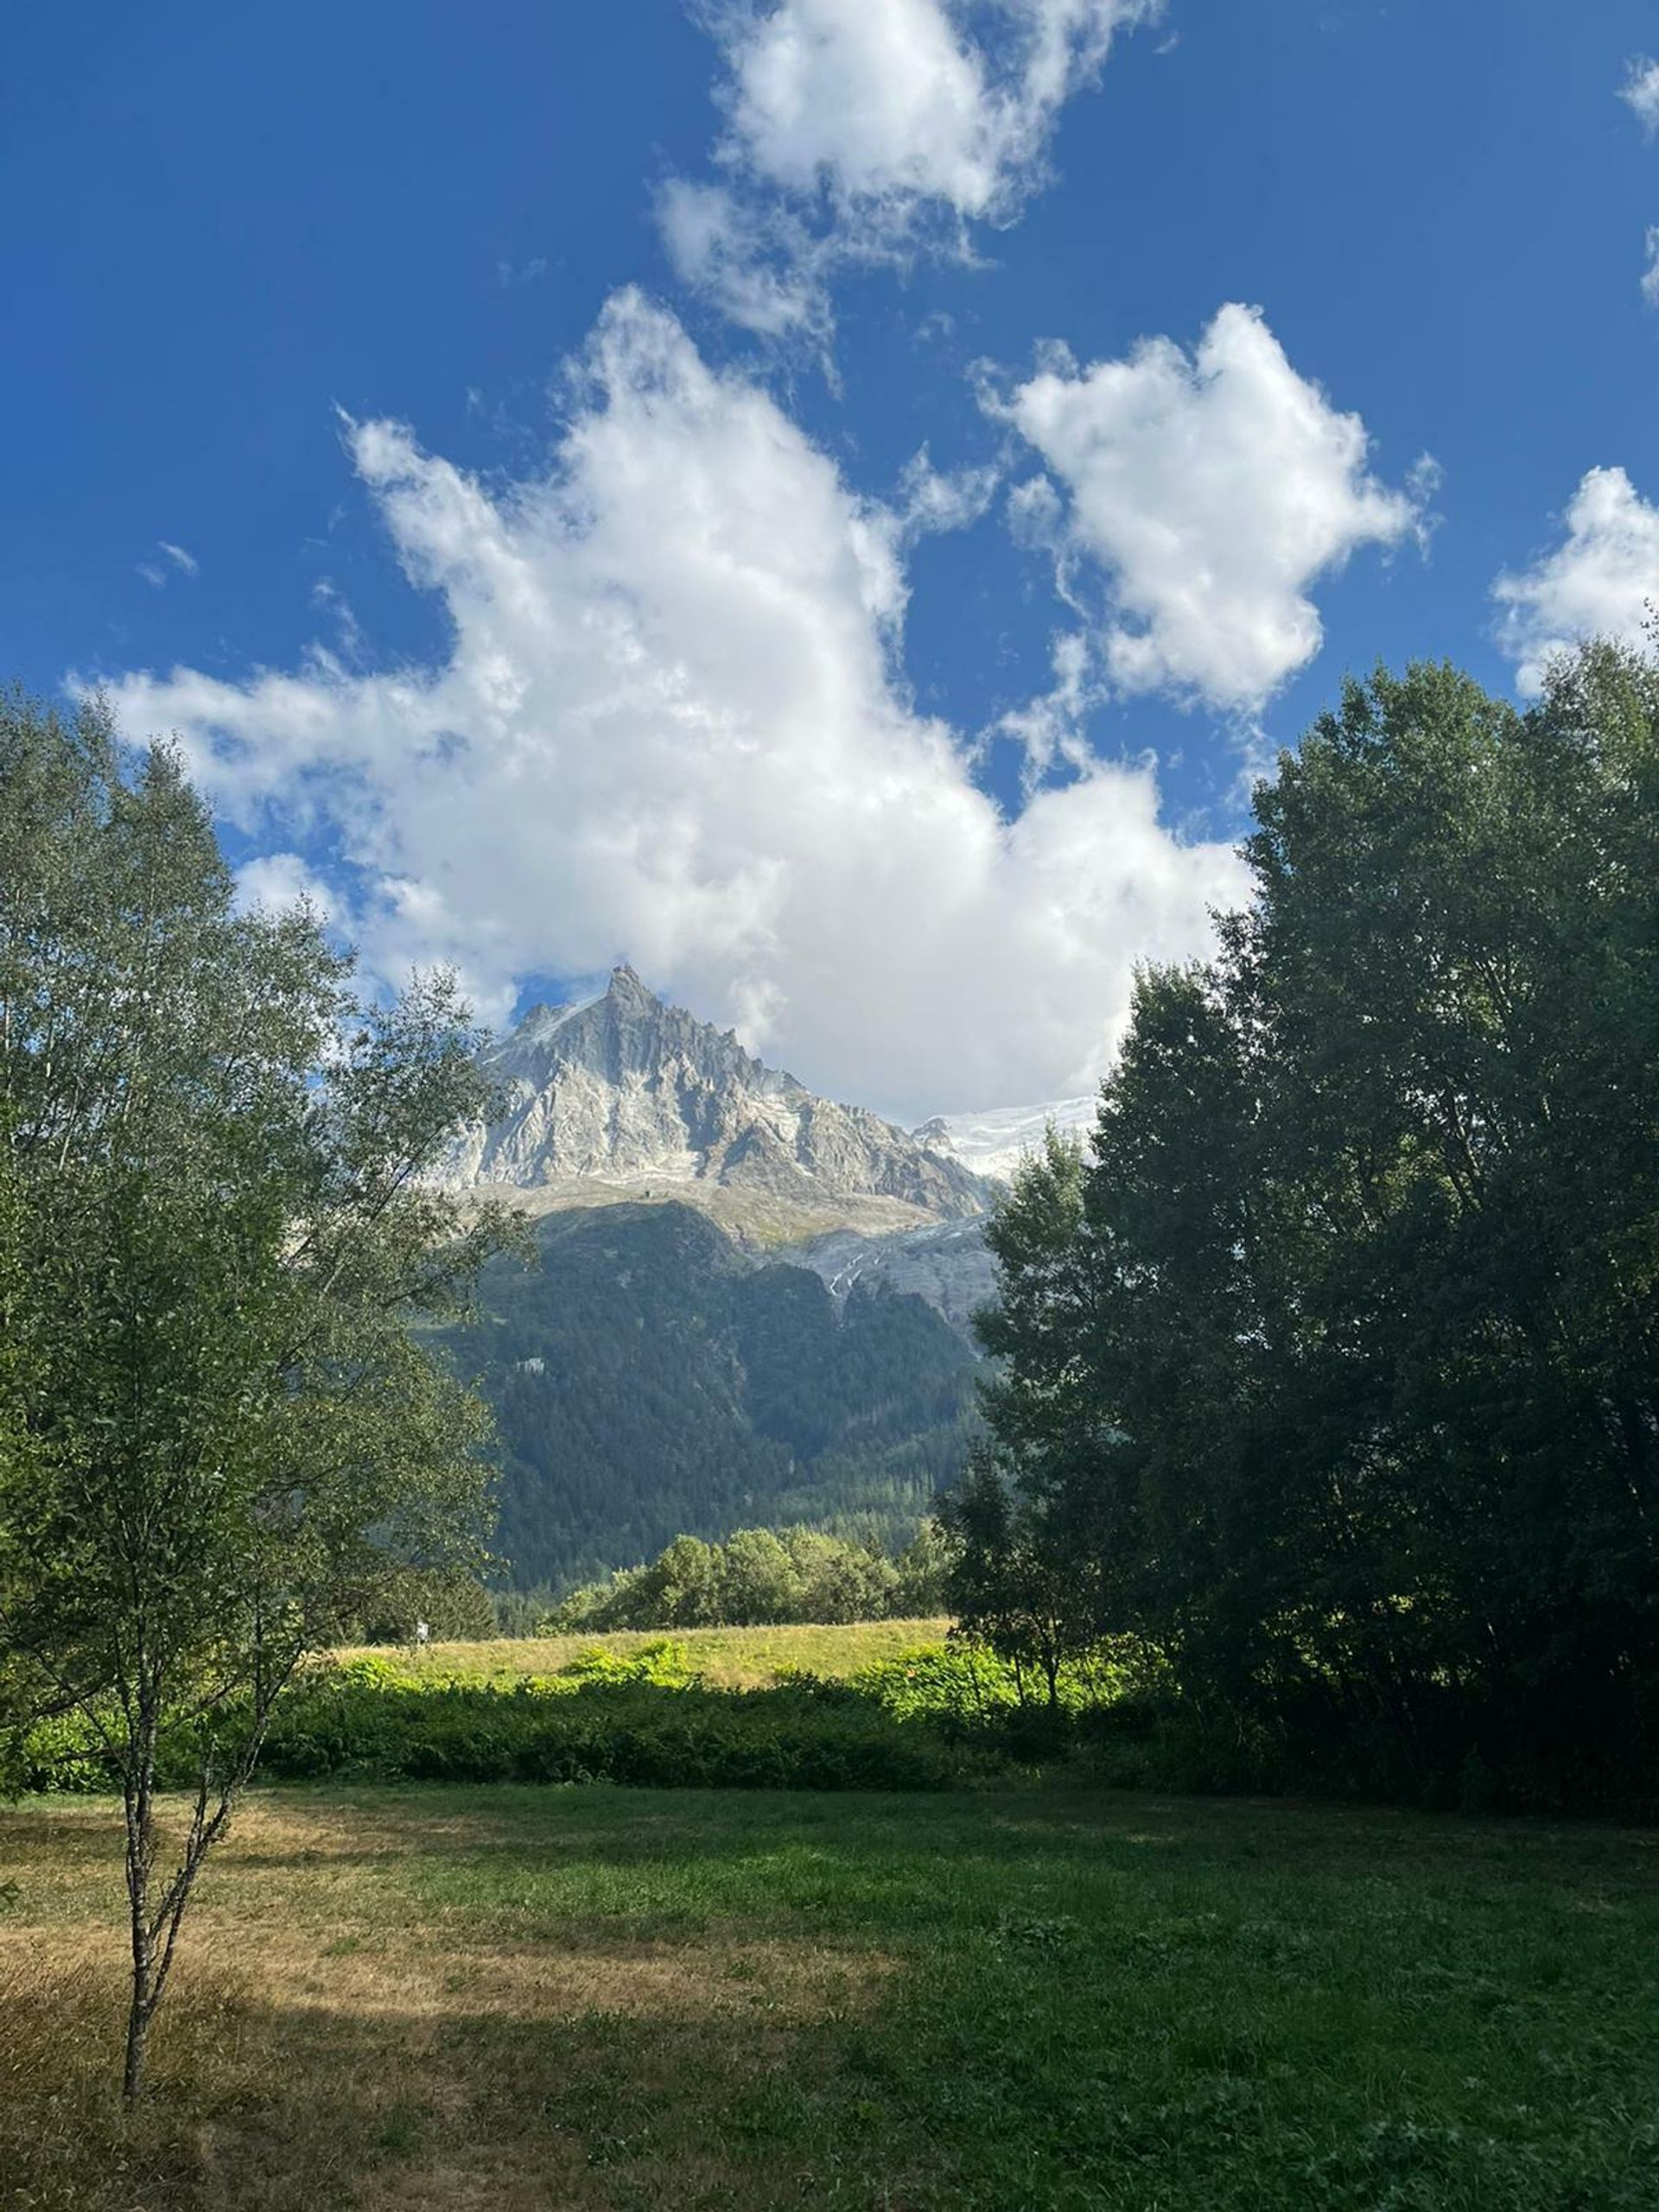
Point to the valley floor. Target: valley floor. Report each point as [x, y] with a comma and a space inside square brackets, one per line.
[597, 1997]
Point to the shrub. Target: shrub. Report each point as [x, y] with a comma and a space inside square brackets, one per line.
[631, 1730]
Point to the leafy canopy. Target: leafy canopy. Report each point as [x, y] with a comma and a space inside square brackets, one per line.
[1342, 1368]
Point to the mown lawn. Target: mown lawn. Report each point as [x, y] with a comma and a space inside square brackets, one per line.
[727, 1658]
[604, 1998]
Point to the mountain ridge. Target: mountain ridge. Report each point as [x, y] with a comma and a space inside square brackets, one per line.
[992, 1142]
[625, 1091]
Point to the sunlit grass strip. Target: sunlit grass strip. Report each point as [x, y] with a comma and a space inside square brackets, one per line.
[727, 1658]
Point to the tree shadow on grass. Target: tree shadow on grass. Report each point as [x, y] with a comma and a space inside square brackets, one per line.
[616, 1826]
[608, 2076]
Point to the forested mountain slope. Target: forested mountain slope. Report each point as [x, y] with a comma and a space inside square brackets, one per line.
[650, 1380]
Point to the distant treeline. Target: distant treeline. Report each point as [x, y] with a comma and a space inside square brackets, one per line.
[1331, 1380]
[754, 1577]
[760, 1577]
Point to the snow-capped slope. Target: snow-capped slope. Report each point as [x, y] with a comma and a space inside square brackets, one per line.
[993, 1143]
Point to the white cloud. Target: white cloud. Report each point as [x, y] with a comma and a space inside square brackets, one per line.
[1213, 493]
[275, 880]
[862, 129]
[1601, 580]
[1640, 92]
[932, 502]
[510, 273]
[670, 726]
[1051, 727]
[1650, 274]
[759, 265]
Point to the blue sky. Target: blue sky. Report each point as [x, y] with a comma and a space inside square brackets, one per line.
[647, 635]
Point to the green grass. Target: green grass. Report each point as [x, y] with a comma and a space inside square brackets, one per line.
[727, 1658]
[956, 2003]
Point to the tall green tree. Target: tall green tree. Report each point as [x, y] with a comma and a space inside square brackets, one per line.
[217, 1236]
[1034, 1550]
[1349, 1371]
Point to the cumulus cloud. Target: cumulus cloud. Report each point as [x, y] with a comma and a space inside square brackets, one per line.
[1210, 494]
[671, 725]
[274, 881]
[1600, 580]
[864, 130]
[1640, 92]
[1650, 274]
[1052, 727]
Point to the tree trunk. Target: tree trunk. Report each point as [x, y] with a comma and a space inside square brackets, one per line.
[139, 1793]
[138, 2016]
[156, 1932]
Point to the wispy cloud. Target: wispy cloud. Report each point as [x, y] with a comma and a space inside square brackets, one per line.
[176, 560]
[1640, 92]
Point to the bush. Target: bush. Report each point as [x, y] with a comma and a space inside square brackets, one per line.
[664, 1664]
[610, 1726]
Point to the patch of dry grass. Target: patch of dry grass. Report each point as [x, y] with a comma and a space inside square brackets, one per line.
[329, 2040]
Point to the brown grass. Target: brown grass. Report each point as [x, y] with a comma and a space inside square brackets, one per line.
[323, 2045]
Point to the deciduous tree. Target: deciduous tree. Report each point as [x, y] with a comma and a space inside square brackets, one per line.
[219, 1237]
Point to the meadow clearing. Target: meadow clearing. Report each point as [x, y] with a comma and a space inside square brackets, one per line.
[1024, 1994]
[726, 1658]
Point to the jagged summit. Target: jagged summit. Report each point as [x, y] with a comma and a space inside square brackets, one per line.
[622, 1089]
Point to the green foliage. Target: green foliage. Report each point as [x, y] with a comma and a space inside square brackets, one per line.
[725, 1658]
[758, 1576]
[972, 1683]
[648, 1382]
[453, 1604]
[1338, 1369]
[956, 1707]
[648, 1724]
[663, 1663]
[216, 1429]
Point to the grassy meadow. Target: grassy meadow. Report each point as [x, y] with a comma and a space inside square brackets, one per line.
[726, 1658]
[654, 2001]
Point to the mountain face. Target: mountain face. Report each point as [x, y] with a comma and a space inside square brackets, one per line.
[651, 1379]
[626, 1091]
[949, 1265]
[994, 1143]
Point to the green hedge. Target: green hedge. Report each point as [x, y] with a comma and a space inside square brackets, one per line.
[625, 1732]
[931, 1716]
[644, 1721]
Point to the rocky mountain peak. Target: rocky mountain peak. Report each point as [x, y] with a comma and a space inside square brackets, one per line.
[625, 989]
[623, 1090]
